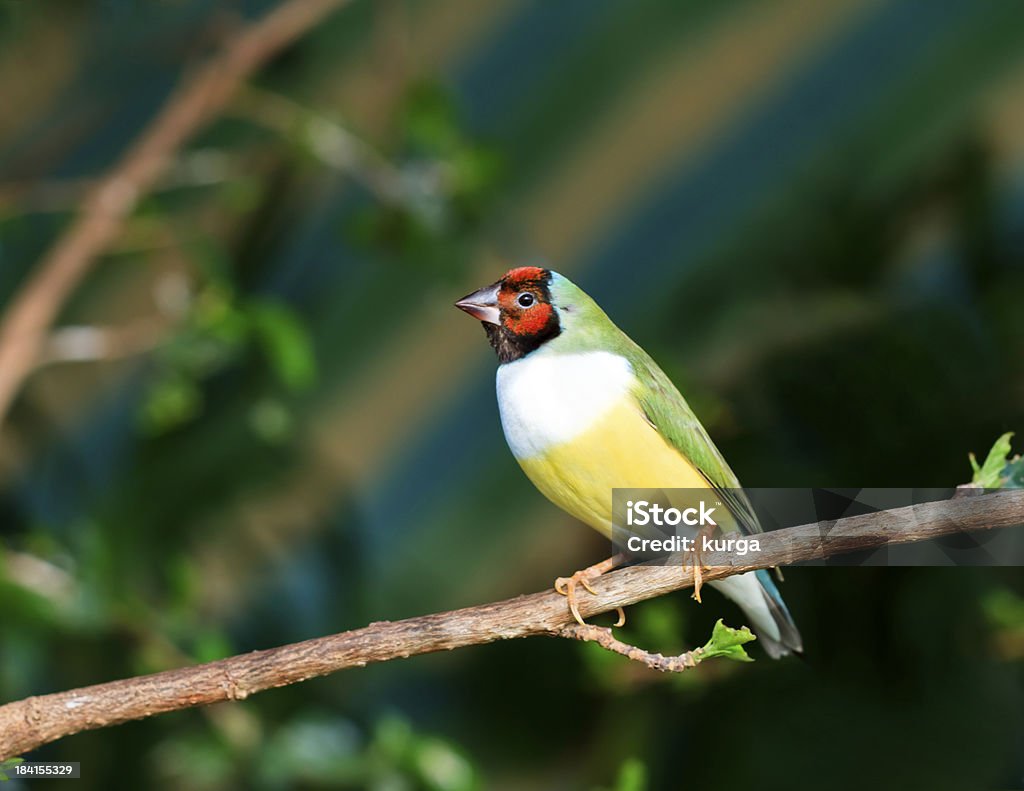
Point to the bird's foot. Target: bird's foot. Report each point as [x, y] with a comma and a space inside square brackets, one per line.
[567, 587]
[698, 577]
[697, 562]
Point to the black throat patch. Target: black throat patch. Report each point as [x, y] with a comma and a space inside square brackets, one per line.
[511, 347]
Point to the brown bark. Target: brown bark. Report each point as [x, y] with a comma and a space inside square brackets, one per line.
[29, 723]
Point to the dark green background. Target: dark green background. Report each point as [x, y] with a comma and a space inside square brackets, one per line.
[811, 214]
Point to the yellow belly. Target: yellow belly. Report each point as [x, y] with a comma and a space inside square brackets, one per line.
[621, 450]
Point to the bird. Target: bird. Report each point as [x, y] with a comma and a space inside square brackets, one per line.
[584, 410]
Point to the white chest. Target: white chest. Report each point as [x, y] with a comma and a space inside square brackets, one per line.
[547, 400]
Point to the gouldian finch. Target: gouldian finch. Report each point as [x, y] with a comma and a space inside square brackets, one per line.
[585, 410]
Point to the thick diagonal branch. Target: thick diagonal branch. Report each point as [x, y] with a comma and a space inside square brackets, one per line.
[198, 100]
[29, 723]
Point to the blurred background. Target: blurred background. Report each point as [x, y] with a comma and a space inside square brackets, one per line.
[259, 418]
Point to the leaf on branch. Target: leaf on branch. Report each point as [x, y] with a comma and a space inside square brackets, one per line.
[10, 763]
[727, 642]
[999, 471]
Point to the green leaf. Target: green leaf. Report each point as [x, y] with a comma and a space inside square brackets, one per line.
[430, 120]
[440, 766]
[10, 763]
[286, 344]
[271, 420]
[728, 642]
[999, 470]
[1004, 609]
[211, 645]
[987, 475]
[632, 776]
[171, 402]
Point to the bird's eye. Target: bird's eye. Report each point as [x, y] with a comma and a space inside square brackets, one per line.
[525, 299]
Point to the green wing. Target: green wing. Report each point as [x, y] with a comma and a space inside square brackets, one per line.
[666, 409]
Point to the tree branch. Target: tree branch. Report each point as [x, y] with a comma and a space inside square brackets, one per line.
[89, 344]
[604, 637]
[330, 142]
[29, 723]
[195, 103]
[199, 168]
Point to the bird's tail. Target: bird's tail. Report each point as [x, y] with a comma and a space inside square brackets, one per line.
[756, 594]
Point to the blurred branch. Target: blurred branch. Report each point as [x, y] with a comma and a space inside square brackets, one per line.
[326, 139]
[88, 343]
[35, 721]
[91, 344]
[200, 168]
[37, 575]
[196, 102]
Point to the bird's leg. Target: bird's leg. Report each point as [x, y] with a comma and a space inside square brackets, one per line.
[567, 586]
[697, 562]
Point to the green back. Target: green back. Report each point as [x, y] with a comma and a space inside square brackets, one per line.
[585, 327]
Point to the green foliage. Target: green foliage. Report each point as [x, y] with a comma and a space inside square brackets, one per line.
[1004, 612]
[10, 763]
[448, 181]
[173, 400]
[285, 343]
[632, 776]
[658, 623]
[1005, 609]
[728, 643]
[999, 471]
[431, 761]
[319, 751]
[219, 331]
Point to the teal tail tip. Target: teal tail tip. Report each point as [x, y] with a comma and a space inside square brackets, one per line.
[789, 641]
